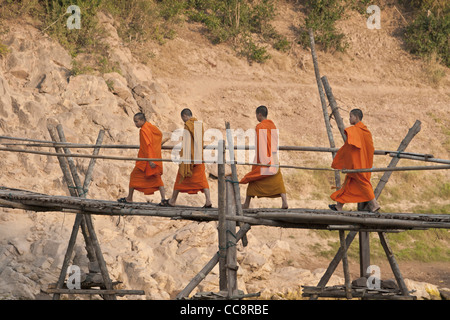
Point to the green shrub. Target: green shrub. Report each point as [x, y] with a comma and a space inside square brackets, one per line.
[3, 50]
[237, 20]
[429, 33]
[252, 51]
[321, 18]
[87, 39]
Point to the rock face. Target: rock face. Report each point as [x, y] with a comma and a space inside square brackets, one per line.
[36, 90]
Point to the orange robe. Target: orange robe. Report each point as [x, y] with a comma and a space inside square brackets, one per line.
[191, 176]
[356, 153]
[145, 178]
[265, 181]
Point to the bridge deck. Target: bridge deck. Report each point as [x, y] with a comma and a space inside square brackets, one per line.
[288, 218]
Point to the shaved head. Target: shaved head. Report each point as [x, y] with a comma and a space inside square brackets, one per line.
[186, 112]
[358, 113]
[262, 110]
[140, 116]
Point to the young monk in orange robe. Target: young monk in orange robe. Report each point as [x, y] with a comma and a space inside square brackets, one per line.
[356, 153]
[146, 176]
[191, 177]
[265, 181]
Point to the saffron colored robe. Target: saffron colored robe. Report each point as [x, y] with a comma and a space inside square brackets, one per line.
[356, 153]
[191, 176]
[145, 178]
[265, 181]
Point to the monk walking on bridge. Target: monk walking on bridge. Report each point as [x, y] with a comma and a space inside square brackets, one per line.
[191, 177]
[265, 181]
[146, 176]
[356, 153]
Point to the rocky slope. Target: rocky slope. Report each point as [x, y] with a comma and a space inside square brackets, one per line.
[158, 255]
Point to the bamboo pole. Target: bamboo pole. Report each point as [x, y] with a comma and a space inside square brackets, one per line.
[92, 245]
[90, 170]
[409, 168]
[96, 291]
[222, 220]
[212, 147]
[393, 262]
[334, 263]
[348, 285]
[209, 266]
[332, 219]
[231, 241]
[68, 255]
[79, 219]
[237, 192]
[101, 261]
[364, 238]
[334, 108]
[419, 158]
[290, 218]
[246, 164]
[323, 102]
[79, 191]
[405, 142]
[72, 167]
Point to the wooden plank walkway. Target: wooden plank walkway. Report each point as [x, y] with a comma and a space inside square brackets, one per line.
[288, 218]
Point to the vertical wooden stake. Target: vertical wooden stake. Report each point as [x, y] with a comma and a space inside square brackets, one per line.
[222, 219]
[101, 261]
[364, 246]
[348, 285]
[237, 193]
[85, 221]
[79, 190]
[231, 242]
[323, 102]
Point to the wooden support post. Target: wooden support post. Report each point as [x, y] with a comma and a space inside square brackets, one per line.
[222, 219]
[85, 221]
[72, 167]
[101, 261]
[62, 163]
[393, 262]
[334, 107]
[334, 263]
[364, 246]
[323, 102]
[415, 129]
[231, 241]
[209, 266]
[237, 192]
[348, 285]
[79, 219]
[68, 255]
[364, 242]
[79, 190]
[90, 170]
